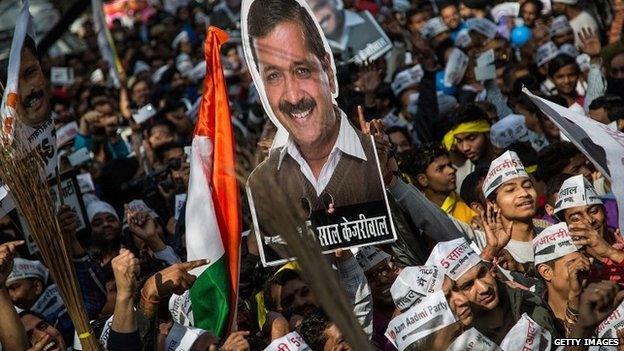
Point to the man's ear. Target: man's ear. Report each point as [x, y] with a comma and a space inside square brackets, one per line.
[422, 180]
[327, 67]
[477, 207]
[545, 271]
[38, 286]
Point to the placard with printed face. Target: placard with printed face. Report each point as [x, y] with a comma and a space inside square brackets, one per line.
[321, 166]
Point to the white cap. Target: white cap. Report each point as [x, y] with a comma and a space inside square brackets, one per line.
[546, 52]
[289, 342]
[483, 26]
[569, 49]
[560, 25]
[431, 314]
[576, 191]
[473, 340]
[433, 27]
[414, 283]
[567, 2]
[24, 269]
[96, 207]
[157, 76]
[455, 67]
[552, 243]
[407, 78]
[614, 323]
[182, 36]
[454, 257]
[526, 335]
[506, 167]
[181, 338]
[463, 39]
[584, 61]
[184, 64]
[181, 309]
[509, 130]
[506, 9]
[369, 256]
[97, 76]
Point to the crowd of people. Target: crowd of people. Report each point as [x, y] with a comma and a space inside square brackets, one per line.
[507, 235]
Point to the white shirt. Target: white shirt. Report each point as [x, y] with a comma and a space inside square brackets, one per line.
[347, 142]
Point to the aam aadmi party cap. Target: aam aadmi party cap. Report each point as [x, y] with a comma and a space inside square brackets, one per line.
[506, 9]
[414, 283]
[473, 340]
[509, 130]
[614, 323]
[181, 309]
[483, 26]
[546, 53]
[289, 342]
[24, 269]
[406, 78]
[569, 49]
[369, 256]
[431, 314]
[433, 27]
[526, 335]
[454, 257]
[552, 243]
[96, 207]
[181, 338]
[505, 168]
[576, 191]
[567, 2]
[560, 25]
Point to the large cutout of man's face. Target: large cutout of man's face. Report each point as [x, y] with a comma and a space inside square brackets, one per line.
[297, 84]
[293, 70]
[33, 90]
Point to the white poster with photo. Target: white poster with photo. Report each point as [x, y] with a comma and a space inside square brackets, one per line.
[293, 69]
[603, 146]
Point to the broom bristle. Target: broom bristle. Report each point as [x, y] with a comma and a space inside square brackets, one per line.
[22, 169]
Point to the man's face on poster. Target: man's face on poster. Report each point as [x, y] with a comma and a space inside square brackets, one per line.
[298, 85]
[33, 91]
[328, 16]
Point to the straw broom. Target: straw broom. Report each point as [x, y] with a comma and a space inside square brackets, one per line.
[24, 173]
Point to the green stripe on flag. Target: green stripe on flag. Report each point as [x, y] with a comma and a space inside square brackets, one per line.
[210, 298]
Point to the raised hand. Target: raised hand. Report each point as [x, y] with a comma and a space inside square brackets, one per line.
[174, 279]
[126, 270]
[597, 303]
[576, 268]
[237, 341]
[7, 253]
[590, 42]
[369, 78]
[497, 236]
[584, 235]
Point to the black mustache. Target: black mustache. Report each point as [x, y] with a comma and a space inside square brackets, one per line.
[302, 105]
[38, 94]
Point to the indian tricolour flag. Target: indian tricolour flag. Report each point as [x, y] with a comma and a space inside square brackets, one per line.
[212, 208]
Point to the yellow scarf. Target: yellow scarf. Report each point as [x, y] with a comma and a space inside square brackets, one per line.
[457, 208]
[480, 126]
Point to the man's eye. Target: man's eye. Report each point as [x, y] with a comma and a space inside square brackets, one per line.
[272, 77]
[302, 72]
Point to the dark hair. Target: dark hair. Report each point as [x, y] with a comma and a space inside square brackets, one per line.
[537, 3]
[553, 185]
[160, 122]
[614, 104]
[32, 313]
[524, 101]
[160, 151]
[265, 15]
[399, 129]
[446, 4]
[467, 113]
[559, 62]
[554, 158]
[469, 191]
[313, 327]
[526, 153]
[421, 158]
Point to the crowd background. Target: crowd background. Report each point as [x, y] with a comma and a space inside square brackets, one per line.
[444, 139]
